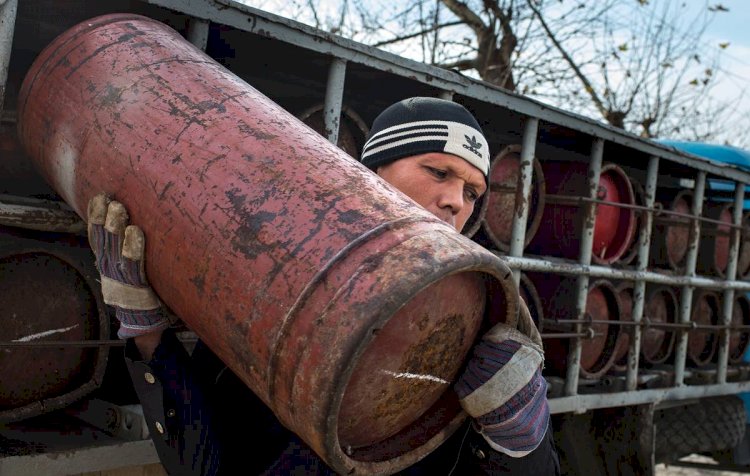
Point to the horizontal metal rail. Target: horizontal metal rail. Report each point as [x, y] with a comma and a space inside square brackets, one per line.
[658, 209]
[647, 323]
[582, 402]
[40, 215]
[62, 343]
[572, 335]
[595, 271]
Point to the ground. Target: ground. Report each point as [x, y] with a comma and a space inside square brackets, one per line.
[662, 470]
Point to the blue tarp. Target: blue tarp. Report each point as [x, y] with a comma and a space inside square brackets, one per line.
[719, 153]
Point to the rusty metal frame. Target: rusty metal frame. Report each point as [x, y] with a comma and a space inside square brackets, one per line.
[40, 215]
[731, 274]
[252, 20]
[343, 52]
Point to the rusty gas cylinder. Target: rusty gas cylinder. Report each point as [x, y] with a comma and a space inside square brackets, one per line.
[625, 292]
[660, 308]
[743, 260]
[671, 233]
[714, 240]
[702, 343]
[343, 305]
[560, 229]
[504, 190]
[639, 196]
[352, 129]
[51, 307]
[739, 339]
[558, 295]
[529, 294]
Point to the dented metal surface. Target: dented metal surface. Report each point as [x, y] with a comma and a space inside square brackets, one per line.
[281, 252]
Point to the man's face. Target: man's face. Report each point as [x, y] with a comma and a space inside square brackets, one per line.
[444, 184]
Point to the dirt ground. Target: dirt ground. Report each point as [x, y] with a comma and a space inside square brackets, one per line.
[662, 470]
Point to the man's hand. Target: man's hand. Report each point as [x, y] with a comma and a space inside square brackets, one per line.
[120, 251]
[503, 389]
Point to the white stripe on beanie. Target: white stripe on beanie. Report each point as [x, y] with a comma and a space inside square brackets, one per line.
[461, 140]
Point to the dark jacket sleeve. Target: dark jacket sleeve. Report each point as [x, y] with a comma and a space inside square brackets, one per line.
[466, 453]
[177, 411]
[543, 461]
[203, 419]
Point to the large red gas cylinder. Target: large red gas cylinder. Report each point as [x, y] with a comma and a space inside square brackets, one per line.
[560, 229]
[347, 308]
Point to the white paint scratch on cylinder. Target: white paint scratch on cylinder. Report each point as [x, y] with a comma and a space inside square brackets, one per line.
[44, 334]
[66, 170]
[431, 378]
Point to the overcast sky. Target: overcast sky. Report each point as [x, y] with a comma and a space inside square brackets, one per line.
[732, 27]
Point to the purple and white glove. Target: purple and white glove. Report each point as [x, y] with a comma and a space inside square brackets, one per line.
[120, 251]
[503, 388]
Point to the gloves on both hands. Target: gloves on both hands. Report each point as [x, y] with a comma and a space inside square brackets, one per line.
[503, 388]
[120, 251]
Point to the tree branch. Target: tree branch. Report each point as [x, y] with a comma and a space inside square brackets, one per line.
[603, 110]
[462, 11]
[414, 35]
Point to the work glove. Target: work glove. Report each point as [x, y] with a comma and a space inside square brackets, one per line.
[503, 389]
[120, 252]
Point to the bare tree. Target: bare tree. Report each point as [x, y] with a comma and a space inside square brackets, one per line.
[639, 65]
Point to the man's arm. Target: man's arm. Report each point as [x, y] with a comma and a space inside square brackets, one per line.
[503, 390]
[173, 397]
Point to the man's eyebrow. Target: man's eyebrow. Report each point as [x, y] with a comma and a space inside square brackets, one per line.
[450, 168]
[474, 184]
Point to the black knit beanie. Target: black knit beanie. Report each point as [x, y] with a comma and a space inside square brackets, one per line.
[420, 125]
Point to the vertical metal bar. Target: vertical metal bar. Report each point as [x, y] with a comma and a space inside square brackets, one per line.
[521, 213]
[8, 9]
[587, 239]
[445, 94]
[734, 251]
[334, 99]
[197, 33]
[686, 298]
[639, 290]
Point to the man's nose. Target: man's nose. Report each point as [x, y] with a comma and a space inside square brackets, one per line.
[452, 197]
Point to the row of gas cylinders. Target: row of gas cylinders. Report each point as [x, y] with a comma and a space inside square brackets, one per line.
[607, 325]
[555, 217]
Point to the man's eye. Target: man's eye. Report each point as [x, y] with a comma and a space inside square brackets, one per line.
[437, 172]
[471, 195]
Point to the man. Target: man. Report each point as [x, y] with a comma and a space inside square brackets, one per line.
[434, 152]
